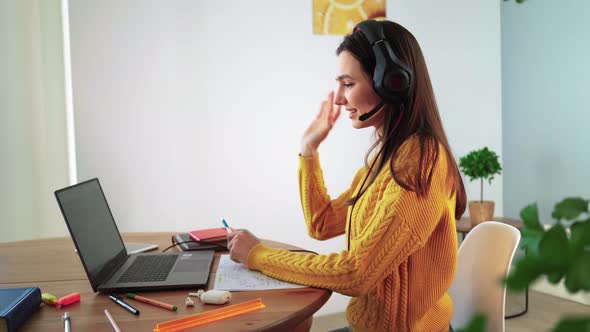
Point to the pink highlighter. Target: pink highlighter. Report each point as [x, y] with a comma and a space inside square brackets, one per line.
[67, 300]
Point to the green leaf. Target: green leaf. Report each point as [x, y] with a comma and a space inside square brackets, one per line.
[530, 240]
[530, 217]
[580, 236]
[570, 208]
[527, 270]
[477, 324]
[532, 232]
[578, 275]
[573, 324]
[555, 276]
[553, 248]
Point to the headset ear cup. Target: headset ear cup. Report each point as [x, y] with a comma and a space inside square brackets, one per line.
[396, 81]
[393, 84]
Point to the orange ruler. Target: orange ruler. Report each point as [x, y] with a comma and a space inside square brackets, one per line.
[209, 316]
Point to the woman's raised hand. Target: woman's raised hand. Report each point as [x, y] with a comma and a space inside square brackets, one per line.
[320, 127]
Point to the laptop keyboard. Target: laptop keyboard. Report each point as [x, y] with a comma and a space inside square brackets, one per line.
[149, 268]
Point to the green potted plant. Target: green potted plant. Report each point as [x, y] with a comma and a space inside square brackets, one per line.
[555, 254]
[480, 164]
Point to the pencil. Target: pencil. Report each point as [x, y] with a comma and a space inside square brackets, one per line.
[113, 323]
[152, 302]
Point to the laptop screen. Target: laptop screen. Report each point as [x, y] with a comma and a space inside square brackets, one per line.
[92, 228]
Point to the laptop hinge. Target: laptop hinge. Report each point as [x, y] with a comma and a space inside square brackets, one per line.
[112, 268]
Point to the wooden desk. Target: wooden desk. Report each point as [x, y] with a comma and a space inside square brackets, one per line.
[54, 267]
[464, 226]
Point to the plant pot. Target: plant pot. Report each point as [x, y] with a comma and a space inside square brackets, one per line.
[480, 211]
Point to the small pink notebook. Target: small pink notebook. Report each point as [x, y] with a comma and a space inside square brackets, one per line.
[210, 235]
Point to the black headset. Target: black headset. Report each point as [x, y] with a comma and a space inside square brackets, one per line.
[392, 79]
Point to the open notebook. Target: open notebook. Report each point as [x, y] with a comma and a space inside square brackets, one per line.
[233, 276]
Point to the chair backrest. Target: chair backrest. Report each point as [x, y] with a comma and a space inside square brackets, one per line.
[484, 259]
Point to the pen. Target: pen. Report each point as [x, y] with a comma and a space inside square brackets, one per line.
[66, 319]
[113, 323]
[226, 226]
[152, 302]
[124, 304]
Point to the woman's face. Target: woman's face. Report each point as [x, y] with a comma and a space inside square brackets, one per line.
[355, 92]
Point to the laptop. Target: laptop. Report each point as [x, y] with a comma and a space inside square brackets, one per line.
[108, 265]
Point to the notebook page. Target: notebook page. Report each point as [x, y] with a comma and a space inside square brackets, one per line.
[233, 276]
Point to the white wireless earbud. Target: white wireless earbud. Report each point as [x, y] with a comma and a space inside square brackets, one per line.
[189, 302]
[214, 296]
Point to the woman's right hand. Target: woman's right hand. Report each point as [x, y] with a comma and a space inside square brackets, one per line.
[320, 127]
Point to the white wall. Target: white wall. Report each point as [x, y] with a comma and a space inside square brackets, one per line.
[188, 111]
[545, 53]
[546, 110]
[33, 148]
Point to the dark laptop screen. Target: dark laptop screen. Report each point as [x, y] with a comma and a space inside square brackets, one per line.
[92, 227]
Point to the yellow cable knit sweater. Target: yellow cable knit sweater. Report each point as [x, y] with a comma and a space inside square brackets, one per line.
[403, 250]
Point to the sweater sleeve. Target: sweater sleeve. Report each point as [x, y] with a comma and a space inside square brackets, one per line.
[400, 224]
[325, 218]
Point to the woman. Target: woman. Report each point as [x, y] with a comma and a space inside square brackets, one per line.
[400, 210]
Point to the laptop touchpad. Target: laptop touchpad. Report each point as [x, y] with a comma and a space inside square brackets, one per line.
[192, 265]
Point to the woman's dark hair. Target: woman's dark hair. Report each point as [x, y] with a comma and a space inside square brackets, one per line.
[419, 116]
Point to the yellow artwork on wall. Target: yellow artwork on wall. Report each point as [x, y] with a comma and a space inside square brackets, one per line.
[338, 17]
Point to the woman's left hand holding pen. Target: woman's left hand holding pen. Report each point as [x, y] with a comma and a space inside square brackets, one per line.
[240, 243]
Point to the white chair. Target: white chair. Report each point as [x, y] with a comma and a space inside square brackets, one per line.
[484, 259]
